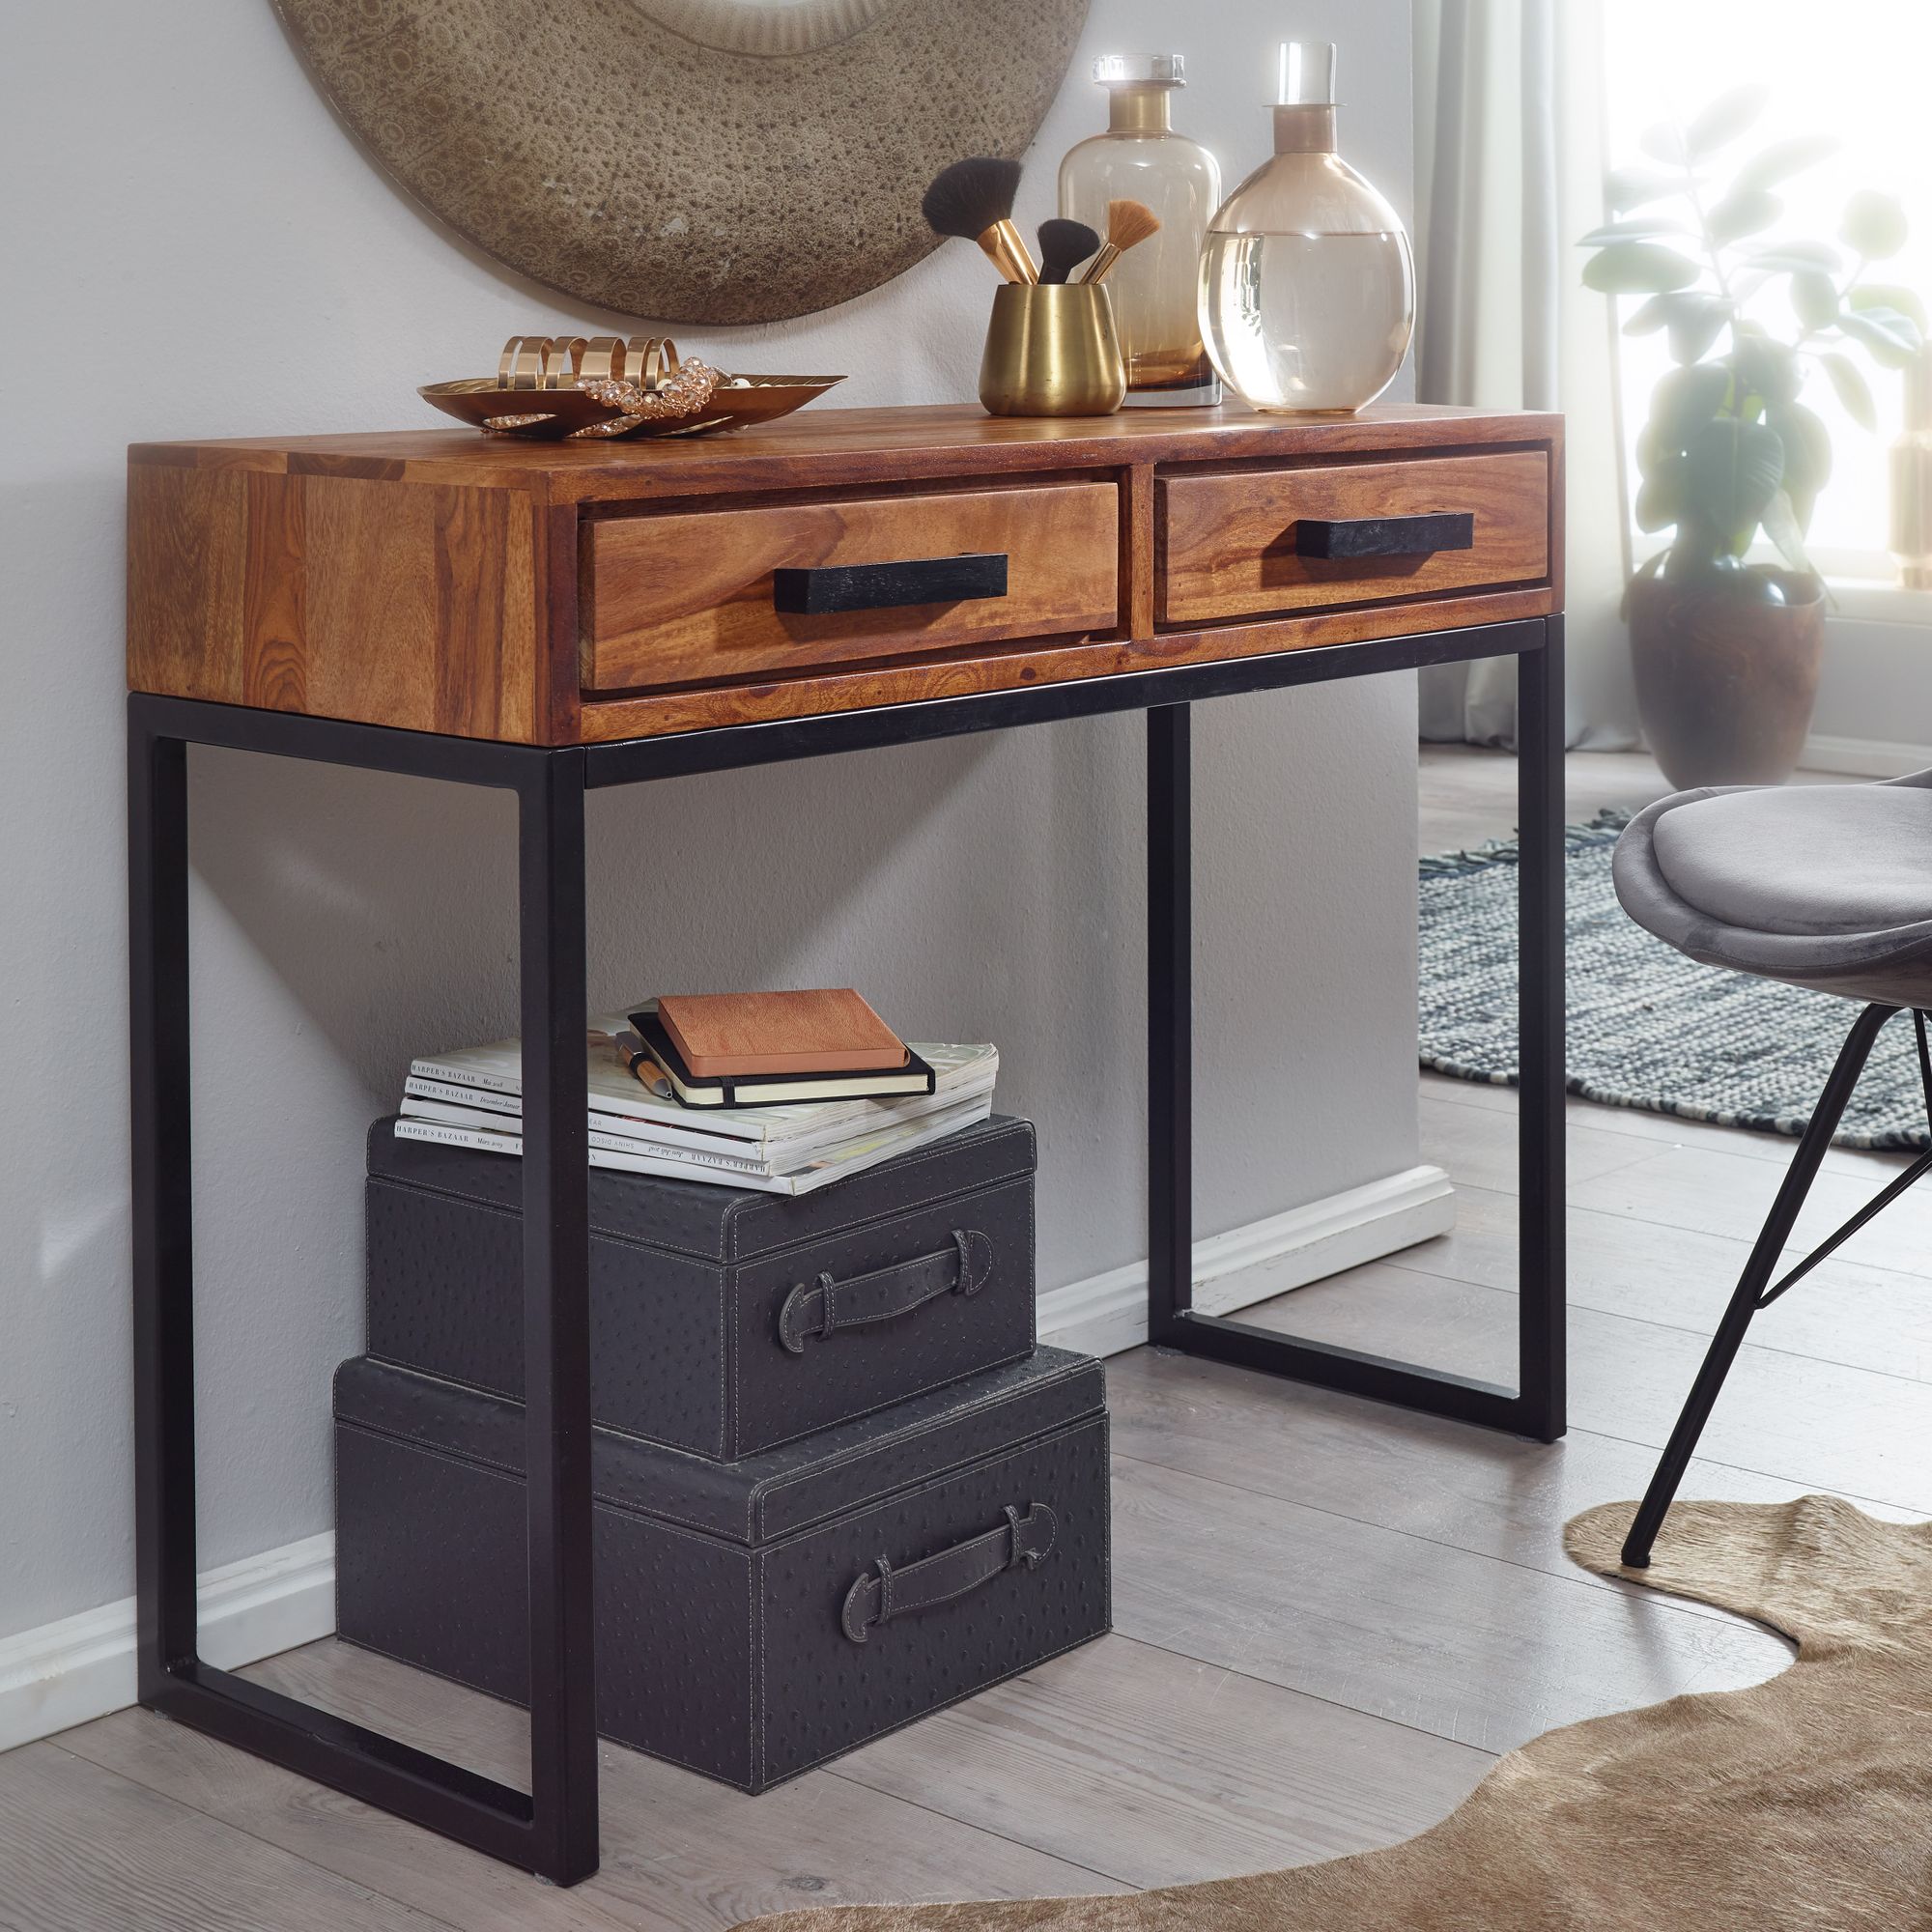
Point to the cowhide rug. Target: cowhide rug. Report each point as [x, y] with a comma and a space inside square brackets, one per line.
[1803, 1801]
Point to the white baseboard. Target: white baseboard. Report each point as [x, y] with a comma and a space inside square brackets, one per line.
[82, 1667]
[1107, 1313]
[1864, 757]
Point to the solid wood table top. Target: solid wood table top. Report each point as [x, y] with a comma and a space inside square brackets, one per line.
[443, 580]
[822, 446]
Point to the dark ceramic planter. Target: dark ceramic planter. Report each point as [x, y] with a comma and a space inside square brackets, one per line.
[1725, 686]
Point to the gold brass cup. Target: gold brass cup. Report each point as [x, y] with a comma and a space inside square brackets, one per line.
[1052, 351]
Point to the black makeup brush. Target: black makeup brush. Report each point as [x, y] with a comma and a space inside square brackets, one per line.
[973, 198]
[1063, 245]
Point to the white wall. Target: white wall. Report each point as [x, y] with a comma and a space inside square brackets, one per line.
[1873, 690]
[193, 248]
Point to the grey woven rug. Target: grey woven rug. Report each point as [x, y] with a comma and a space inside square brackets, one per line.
[1648, 1028]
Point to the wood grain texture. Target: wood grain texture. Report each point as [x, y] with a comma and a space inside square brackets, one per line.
[441, 580]
[1421, 1476]
[1140, 551]
[960, 674]
[1162, 1770]
[368, 1847]
[1849, 1311]
[687, 597]
[1464, 1646]
[83, 1850]
[385, 602]
[680, 1851]
[820, 447]
[1860, 1432]
[1227, 536]
[187, 571]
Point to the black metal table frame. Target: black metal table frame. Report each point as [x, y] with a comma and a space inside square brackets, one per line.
[553, 1829]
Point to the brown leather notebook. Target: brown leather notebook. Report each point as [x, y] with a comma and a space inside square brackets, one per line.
[727, 1035]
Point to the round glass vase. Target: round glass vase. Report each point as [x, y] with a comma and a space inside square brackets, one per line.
[1307, 286]
[1140, 157]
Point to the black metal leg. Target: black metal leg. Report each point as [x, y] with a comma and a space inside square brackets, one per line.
[163, 1258]
[552, 1830]
[1170, 1023]
[556, 1320]
[1746, 1299]
[1541, 1373]
[1535, 1408]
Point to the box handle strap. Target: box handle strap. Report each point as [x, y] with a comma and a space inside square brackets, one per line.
[885, 1592]
[825, 1306]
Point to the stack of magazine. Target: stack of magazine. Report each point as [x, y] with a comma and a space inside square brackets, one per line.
[472, 1097]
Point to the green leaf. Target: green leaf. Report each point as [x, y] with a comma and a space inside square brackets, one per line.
[1852, 391]
[1750, 212]
[1649, 317]
[1807, 456]
[1883, 295]
[1768, 368]
[1664, 141]
[1783, 158]
[1633, 228]
[1685, 400]
[1659, 497]
[1893, 339]
[1792, 257]
[1815, 297]
[1688, 313]
[1782, 525]
[1651, 449]
[1697, 324]
[1638, 268]
[1874, 225]
[1725, 119]
[1633, 188]
[1732, 470]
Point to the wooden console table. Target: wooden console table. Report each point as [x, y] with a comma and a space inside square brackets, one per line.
[549, 617]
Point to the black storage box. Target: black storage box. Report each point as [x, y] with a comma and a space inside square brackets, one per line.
[708, 1304]
[756, 1618]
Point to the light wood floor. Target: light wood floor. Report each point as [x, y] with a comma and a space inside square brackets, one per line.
[1330, 1618]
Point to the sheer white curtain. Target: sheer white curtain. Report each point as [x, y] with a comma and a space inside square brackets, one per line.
[1509, 174]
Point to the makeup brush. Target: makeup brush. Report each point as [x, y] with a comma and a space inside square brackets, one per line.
[1128, 223]
[1063, 245]
[973, 198]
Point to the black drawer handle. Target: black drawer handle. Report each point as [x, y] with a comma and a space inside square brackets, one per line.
[885, 1592]
[823, 1307]
[1336, 537]
[884, 587]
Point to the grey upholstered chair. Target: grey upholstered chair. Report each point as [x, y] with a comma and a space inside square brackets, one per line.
[1820, 885]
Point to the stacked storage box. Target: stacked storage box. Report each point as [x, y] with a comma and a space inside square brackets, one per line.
[837, 1485]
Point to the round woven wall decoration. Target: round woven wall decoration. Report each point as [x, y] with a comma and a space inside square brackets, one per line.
[688, 160]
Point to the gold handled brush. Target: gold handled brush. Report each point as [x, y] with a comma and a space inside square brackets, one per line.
[973, 198]
[1128, 224]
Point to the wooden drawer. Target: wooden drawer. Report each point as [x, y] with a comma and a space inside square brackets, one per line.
[688, 597]
[1234, 541]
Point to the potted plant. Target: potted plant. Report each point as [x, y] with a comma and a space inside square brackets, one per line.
[1726, 651]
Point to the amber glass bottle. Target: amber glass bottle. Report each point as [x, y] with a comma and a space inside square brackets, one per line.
[1140, 157]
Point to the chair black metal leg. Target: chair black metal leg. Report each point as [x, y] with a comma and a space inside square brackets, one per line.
[1749, 1295]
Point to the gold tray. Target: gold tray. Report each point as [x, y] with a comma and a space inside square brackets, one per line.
[554, 414]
